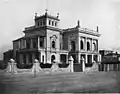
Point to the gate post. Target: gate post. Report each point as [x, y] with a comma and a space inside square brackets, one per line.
[83, 64]
[36, 67]
[12, 66]
[71, 64]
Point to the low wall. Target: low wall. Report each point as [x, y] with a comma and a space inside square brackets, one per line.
[38, 67]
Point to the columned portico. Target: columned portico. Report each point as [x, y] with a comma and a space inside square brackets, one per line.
[79, 58]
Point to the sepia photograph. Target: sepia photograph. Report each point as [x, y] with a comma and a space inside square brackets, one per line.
[59, 46]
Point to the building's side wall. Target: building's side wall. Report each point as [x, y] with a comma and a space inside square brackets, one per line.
[7, 56]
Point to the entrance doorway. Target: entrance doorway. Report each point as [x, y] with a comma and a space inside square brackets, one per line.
[63, 58]
[52, 58]
[89, 59]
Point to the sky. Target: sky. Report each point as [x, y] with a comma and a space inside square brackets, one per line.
[15, 15]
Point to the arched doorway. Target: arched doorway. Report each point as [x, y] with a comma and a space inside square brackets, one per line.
[53, 44]
[52, 58]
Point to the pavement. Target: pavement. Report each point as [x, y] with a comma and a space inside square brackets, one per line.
[78, 82]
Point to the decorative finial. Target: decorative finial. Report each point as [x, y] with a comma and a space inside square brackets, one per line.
[46, 11]
[97, 29]
[57, 15]
[35, 14]
[78, 23]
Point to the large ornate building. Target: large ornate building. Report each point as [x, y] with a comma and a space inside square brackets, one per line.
[46, 42]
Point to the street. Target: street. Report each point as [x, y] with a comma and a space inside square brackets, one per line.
[27, 83]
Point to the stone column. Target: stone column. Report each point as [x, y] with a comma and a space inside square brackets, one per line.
[31, 43]
[25, 43]
[99, 58]
[78, 57]
[67, 58]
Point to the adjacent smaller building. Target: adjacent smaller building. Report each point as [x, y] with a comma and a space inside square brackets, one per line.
[7, 55]
[109, 57]
[104, 52]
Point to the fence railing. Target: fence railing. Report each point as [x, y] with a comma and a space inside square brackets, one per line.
[109, 67]
[38, 67]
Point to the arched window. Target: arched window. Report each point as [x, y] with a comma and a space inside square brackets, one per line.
[55, 23]
[94, 46]
[73, 45]
[52, 23]
[52, 58]
[81, 45]
[53, 44]
[88, 46]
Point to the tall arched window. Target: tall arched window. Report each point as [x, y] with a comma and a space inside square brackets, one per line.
[73, 45]
[94, 46]
[53, 44]
[81, 45]
[52, 58]
[88, 46]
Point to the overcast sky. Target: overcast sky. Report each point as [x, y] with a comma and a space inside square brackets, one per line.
[15, 15]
